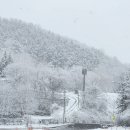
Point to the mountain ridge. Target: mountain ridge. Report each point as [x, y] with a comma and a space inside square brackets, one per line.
[46, 46]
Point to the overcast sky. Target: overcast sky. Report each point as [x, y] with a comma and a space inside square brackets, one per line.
[103, 24]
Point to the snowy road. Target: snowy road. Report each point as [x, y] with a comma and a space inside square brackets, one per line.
[72, 105]
[70, 108]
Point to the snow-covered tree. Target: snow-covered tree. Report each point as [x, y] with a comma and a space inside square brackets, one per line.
[124, 89]
[5, 61]
[123, 101]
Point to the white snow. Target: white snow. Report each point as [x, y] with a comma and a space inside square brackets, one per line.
[43, 127]
[40, 117]
[111, 101]
[115, 128]
[70, 108]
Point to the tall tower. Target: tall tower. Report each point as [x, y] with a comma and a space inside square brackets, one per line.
[84, 72]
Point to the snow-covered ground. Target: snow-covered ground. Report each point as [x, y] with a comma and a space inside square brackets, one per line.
[59, 128]
[111, 101]
[70, 108]
[73, 104]
[114, 128]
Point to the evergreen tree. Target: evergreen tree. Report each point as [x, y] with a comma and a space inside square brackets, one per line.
[5, 60]
[124, 89]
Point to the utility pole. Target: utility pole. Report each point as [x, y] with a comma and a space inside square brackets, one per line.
[78, 99]
[84, 72]
[64, 111]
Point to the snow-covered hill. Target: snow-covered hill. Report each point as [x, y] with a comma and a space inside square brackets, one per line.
[44, 63]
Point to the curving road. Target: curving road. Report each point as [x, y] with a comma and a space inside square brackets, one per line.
[73, 103]
[71, 107]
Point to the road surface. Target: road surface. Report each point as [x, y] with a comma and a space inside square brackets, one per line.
[71, 107]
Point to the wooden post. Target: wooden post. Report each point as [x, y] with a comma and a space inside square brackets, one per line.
[64, 118]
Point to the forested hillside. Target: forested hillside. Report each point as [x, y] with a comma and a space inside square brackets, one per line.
[35, 64]
[45, 46]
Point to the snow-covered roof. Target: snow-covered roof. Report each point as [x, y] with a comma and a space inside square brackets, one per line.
[41, 117]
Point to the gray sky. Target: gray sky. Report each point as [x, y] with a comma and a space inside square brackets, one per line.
[103, 24]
